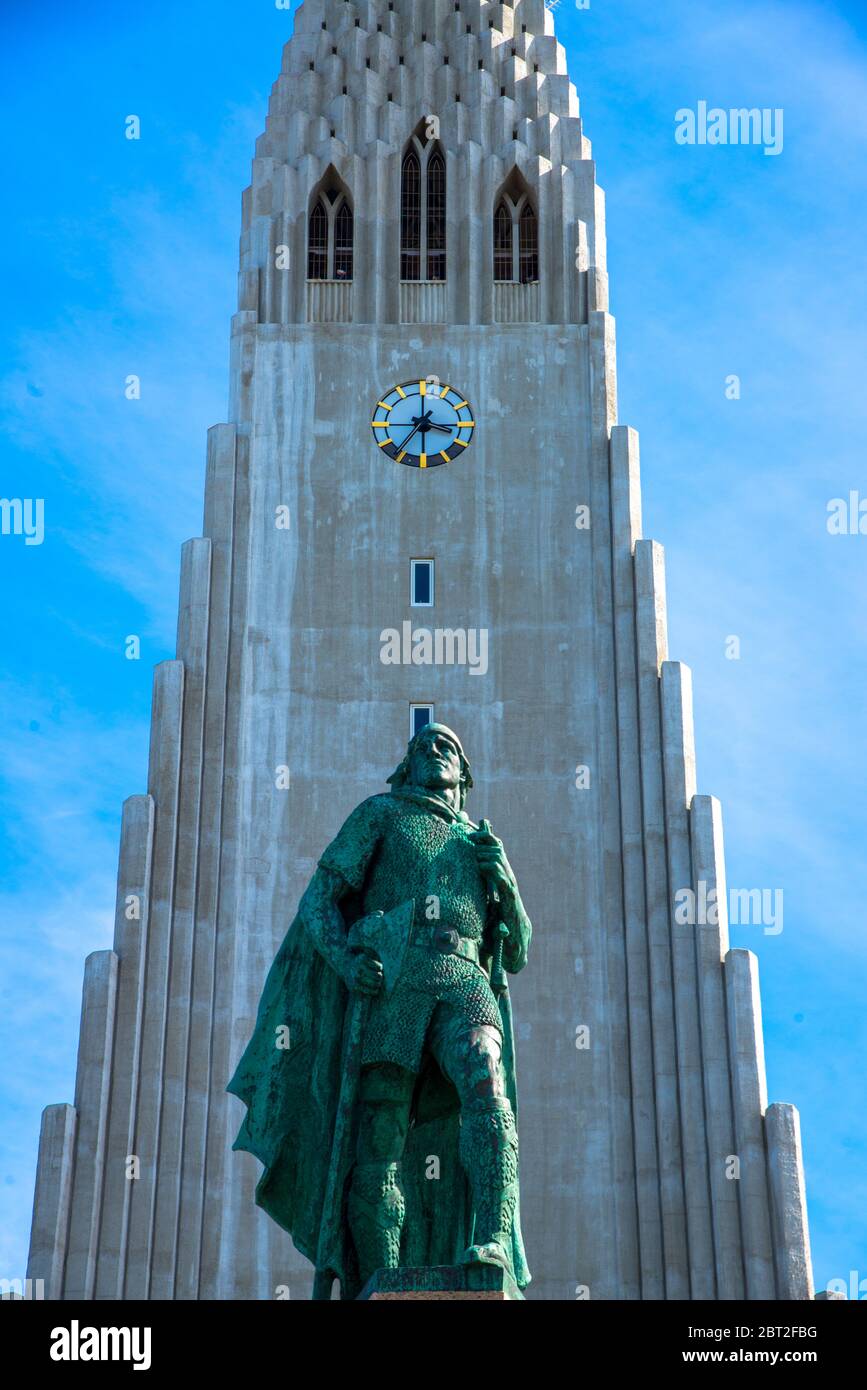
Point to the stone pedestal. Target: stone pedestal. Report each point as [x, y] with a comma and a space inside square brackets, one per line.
[447, 1282]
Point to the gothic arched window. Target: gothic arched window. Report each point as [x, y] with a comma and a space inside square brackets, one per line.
[317, 244]
[331, 234]
[343, 239]
[436, 217]
[423, 211]
[516, 239]
[503, 244]
[410, 218]
[528, 245]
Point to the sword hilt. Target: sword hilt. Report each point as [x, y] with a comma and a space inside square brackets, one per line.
[498, 974]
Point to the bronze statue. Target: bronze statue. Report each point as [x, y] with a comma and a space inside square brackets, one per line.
[380, 1080]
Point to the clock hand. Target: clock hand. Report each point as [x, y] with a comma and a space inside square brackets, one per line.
[411, 433]
[443, 429]
[414, 431]
[419, 424]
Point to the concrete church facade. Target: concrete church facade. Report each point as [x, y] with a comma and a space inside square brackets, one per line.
[424, 212]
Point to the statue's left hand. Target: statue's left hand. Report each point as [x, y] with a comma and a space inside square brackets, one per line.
[492, 861]
[364, 974]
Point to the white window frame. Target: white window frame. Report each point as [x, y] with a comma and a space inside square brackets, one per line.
[413, 565]
[412, 712]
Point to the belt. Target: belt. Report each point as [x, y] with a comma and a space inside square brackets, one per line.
[439, 940]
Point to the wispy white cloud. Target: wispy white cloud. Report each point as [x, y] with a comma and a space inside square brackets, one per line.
[137, 466]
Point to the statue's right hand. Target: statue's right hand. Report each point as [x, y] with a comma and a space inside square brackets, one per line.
[365, 975]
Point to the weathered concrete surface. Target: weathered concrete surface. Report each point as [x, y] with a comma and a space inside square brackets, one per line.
[750, 1101]
[92, 1090]
[632, 1034]
[51, 1199]
[130, 943]
[788, 1203]
[711, 944]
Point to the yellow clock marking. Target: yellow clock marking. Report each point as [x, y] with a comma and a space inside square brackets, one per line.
[444, 392]
[380, 424]
[464, 443]
[444, 455]
[422, 386]
[461, 406]
[466, 424]
[422, 462]
[383, 442]
[400, 458]
[383, 405]
[400, 391]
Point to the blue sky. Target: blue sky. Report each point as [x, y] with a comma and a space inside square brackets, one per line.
[121, 258]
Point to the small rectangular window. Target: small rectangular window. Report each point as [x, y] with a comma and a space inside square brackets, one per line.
[419, 716]
[421, 583]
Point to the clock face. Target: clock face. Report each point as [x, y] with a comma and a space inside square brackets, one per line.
[423, 423]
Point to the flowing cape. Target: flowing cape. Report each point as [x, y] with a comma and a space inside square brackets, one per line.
[289, 1078]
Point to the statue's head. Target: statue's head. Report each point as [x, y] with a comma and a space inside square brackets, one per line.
[435, 761]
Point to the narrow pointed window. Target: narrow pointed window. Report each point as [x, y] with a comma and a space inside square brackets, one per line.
[410, 219]
[331, 234]
[528, 245]
[343, 242]
[516, 236]
[436, 217]
[423, 211]
[317, 247]
[503, 268]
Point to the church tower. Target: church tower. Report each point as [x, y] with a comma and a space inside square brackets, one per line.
[424, 241]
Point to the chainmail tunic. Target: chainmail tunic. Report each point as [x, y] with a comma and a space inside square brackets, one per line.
[391, 849]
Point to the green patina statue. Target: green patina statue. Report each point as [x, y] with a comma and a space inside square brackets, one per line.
[380, 1080]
